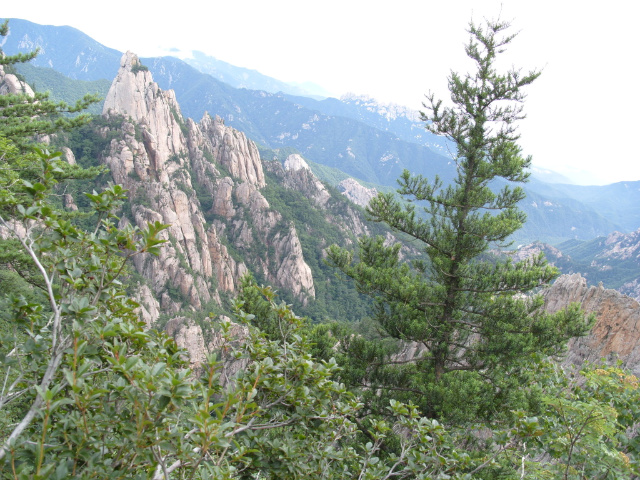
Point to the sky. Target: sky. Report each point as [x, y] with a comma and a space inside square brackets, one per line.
[583, 113]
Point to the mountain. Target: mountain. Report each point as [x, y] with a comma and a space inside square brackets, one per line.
[64, 49]
[554, 217]
[366, 140]
[239, 77]
[612, 261]
[618, 202]
[61, 87]
[402, 121]
[548, 176]
[230, 212]
[277, 120]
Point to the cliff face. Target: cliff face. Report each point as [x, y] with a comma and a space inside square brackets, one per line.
[616, 334]
[298, 176]
[295, 174]
[622, 249]
[189, 335]
[357, 193]
[204, 180]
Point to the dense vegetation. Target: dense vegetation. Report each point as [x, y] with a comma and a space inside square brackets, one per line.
[63, 89]
[89, 393]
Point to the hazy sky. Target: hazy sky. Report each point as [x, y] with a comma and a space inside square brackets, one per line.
[583, 112]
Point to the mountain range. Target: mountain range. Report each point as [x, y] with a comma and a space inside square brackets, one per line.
[354, 136]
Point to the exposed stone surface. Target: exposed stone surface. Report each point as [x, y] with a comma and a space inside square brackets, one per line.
[225, 269]
[299, 176]
[632, 289]
[616, 335]
[357, 193]
[188, 335]
[69, 204]
[293, 273]
[135, 95]
[11, 85]
[224, 345]
[68, 155]
[614, 260]
[222, 198]
[171, 169]
[149, 309]
[14, 229]
[232, 150]
[534, 249]
[622, 246]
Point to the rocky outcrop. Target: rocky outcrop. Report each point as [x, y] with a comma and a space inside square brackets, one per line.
[149, 309]
[203, 180]
[616, 334]
[12, 85]
[552, 254]
[357, 193]
[69, 203]
[137, 97]
[613, 260]
[298, 176]
[272, 244]
[231, 149]
[68, 155]
[621, 246]
[189, 336]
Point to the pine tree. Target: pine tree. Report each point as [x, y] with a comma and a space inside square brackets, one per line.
[26, 113]
[459, 301]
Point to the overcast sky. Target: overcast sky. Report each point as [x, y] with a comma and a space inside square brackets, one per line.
[583, 112]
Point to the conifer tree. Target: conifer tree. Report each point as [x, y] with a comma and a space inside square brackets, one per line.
[25, 114]
[459, 302]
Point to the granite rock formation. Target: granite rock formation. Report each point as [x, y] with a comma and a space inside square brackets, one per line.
[357, 193]
[174, 168]
[616, 334]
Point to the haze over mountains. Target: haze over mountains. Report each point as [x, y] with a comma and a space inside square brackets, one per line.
[354, 136]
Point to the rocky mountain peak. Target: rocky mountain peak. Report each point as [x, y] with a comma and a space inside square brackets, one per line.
[357, 193]
[296, 174]
[295, 162]
[622, 246]
[389, 110]
[134, 94]
[203, 180]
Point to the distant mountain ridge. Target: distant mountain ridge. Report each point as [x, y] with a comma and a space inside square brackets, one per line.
[364, 139]
[64, 49]
[239, 77]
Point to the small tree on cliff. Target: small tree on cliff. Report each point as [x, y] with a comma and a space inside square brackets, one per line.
[465, 308]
